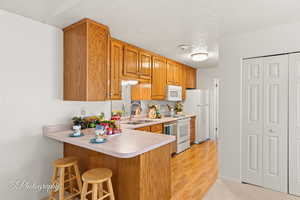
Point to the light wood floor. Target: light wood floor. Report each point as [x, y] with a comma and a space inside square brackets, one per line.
[194, 171]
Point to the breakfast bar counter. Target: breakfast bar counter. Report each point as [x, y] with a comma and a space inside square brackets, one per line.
[140, 161]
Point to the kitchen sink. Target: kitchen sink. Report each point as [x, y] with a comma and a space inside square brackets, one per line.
[136, 122]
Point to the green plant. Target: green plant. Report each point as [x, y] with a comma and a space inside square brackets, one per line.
[178, 107]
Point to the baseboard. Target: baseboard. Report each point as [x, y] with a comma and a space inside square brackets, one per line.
[230, 179]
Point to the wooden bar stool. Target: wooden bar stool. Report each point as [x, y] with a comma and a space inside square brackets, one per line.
[66, 175]
[96, 177]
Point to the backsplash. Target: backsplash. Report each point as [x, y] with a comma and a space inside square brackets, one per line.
[126, 103]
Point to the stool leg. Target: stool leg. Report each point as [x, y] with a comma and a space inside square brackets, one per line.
[94, 193]
[78, 179]
[110, 190]
[71, 182]
[100, 190]
[62, 184]
[53, 181]
[84, 191]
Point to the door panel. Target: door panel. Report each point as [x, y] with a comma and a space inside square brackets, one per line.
[275, 123]
[131, 61]
[145, 65]
[159, 76]
[116, 66]
[252, 121]
[294, 125]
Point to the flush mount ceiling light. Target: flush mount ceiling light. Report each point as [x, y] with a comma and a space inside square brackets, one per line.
[129, 82]
[198, 57]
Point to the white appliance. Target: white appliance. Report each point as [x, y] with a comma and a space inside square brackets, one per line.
[197, 102]
[183, 134]
[173, 93]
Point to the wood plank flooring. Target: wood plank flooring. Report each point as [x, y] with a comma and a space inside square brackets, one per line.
[194, 171]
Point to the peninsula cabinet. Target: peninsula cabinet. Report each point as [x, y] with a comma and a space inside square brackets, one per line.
[159, 76]
[191, 78]
[86, 61]
[116, 63]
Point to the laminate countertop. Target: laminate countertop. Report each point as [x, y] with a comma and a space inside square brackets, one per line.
[128, 144]
[151, 121]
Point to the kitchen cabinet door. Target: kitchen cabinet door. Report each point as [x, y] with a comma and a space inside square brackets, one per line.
[145, 128]
[173, 73]
[145, 65]
[131, 61]
[86, 59]
[141, 91]
[170, 72]
[190, 78]
[158, 78]
[157, 128]
[116, 67]
[176, 72]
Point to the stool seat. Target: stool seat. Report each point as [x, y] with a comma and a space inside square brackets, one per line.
[65, 162]
[97, 175]
[97, 178]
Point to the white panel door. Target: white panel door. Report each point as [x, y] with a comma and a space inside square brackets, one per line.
[294, 125]
[275, 146]
[252, 128]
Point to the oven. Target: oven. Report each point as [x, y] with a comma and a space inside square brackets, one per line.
[183, 134]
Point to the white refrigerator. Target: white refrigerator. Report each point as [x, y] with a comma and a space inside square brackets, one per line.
[197, 102]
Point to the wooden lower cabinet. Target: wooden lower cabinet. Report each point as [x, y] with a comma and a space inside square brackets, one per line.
[145, 128]
[157, 128]
[193, 130]
[144, 177]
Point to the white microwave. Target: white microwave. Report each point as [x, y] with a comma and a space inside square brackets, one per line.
[174, 93]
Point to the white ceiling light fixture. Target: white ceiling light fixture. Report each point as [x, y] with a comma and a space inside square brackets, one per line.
[198, 57]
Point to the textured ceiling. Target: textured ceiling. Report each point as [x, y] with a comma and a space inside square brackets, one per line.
[162, 25]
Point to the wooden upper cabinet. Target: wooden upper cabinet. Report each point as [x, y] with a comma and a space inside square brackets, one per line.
[141, 91]
[191, 78]
[182, 71]
[159, 76]
[177, 75]
[145, 65]
[131, 61]
[173, 73]
[86, 60]
[170, 72]
[116, 64]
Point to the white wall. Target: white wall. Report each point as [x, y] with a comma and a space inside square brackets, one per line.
[31, 74]
[275, 40]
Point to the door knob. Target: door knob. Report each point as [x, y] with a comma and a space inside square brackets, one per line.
[271, 130]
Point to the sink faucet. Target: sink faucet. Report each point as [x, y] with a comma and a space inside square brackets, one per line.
[133, 108]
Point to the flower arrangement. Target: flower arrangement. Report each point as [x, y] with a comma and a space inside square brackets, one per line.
[178, 107]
